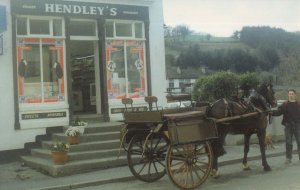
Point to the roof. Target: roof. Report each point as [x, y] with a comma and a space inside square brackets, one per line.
[188, 73]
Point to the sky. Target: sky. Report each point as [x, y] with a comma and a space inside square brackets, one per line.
[223, 17]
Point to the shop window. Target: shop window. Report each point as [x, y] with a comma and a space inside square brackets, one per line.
[83, 28]
[21, 26]
[125, 68]
[57, 27]
[40, 60]
[116, 29]
[39, 27]
[40, 70]
[51, 71]
[135, 68]
[109, 29]
[33, 71]
[123, 30]
[125, 59]
[138, 30]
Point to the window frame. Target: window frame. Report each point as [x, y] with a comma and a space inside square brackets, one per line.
[132, 23]
[125, 39]
[75, 37]
[50, 26]
[50, 19]
[40, 37]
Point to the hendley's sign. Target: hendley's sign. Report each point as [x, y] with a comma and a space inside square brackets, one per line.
[82, 9]
[77, 9]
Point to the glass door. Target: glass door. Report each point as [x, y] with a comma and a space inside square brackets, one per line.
[83, 77]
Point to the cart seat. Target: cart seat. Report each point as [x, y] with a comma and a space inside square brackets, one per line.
[184, 115]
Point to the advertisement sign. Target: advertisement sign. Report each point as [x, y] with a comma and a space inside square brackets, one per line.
[2, 27]
[125, 78]
[84, 9]
[2, 19]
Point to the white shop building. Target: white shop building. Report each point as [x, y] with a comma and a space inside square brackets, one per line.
[62, 58]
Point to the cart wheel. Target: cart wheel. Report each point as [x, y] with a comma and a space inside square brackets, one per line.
[125, 146]
[189, 165]
[148, 164]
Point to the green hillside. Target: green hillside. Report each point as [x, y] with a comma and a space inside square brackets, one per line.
[267, 51]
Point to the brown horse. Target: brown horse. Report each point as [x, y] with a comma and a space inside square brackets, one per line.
[260, 100]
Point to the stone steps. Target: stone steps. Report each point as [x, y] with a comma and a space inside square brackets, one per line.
[98, 149]
[89, 137]
[73, 167]
[81, 155]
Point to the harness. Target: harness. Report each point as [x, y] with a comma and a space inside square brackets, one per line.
[229, 107]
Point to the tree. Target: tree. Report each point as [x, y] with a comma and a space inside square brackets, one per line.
[236, 35]
[213, 87]
[183, 31]
[223, 85]
[208, 37]
[248, 81]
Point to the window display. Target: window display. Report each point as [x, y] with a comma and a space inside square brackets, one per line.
[125, 68]
[40, 70]
[40, 60]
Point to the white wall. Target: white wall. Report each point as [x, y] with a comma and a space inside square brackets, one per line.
[275, 128]
[157, 52]
[10, 138]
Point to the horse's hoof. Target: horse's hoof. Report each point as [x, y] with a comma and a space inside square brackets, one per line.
[246, 167]
[267, 168]
[214, 173]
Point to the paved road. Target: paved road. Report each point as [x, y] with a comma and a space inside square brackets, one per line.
[282, 177]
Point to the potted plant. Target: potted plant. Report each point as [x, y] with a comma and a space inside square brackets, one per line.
[80, 124]
[59, 152]
[73, 134]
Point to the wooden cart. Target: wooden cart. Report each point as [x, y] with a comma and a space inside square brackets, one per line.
[147, 136]
[176, 141]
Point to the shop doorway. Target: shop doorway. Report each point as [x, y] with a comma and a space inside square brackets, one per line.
[83, 73]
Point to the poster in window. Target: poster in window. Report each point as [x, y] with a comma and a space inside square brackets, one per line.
[40, 70]
[3, 26]
[135, 69]
[115, 65]
[125, 68]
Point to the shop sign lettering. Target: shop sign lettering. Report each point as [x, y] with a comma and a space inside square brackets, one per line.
[43, 115]
[81, 8]
[77, 9]
[133, 109]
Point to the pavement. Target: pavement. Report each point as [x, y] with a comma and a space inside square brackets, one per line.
[14, 176]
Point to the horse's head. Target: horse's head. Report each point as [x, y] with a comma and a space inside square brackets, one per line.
[266, 90]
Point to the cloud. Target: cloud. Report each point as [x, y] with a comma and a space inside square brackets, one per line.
[223, 17]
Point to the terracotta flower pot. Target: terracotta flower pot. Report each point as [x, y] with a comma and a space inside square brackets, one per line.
[60, 157]
[73, 140]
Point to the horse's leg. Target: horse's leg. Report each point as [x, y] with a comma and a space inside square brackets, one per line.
[215, 148]
[261, 134]
[246, 151]
[214, 172]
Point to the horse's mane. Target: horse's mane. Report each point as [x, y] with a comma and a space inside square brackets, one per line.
[258, 97]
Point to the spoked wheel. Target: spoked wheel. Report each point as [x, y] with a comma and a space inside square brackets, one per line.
[189, 165]
[148, 163]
